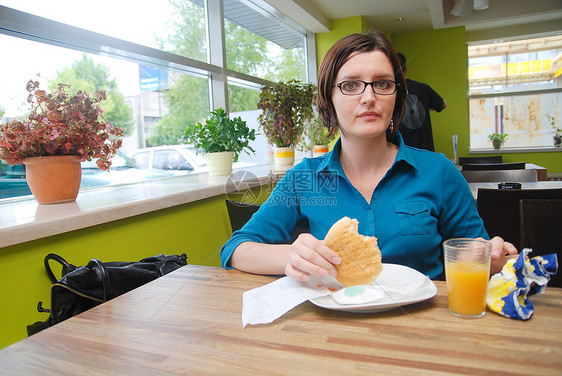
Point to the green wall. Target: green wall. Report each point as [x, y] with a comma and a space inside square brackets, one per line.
[438, 58]
[199, 229]
[339, 29]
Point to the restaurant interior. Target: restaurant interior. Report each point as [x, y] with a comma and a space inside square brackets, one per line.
[188, 214]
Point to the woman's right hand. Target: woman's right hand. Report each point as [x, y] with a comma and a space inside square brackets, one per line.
[310, 256]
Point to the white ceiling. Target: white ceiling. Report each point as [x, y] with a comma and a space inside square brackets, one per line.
[420, 15]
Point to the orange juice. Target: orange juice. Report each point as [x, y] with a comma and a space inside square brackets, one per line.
[467, 285]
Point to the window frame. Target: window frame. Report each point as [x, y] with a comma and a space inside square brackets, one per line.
[499, 95]
[31, 27]
[34, 28]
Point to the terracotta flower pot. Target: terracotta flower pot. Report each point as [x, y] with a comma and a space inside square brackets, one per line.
[55, 179]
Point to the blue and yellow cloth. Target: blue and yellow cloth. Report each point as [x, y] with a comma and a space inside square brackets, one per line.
[508, 291]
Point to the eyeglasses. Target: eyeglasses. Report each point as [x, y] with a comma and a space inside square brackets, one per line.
[357, 87]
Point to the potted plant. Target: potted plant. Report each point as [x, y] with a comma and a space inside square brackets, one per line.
[60, 131]
[318, 137]
[221, 139]
[497, 139]
[557, 131]
[287, 107]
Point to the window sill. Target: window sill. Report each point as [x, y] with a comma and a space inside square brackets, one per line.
[505, 150]
[24, 219]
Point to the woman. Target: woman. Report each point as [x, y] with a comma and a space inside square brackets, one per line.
[410, 199]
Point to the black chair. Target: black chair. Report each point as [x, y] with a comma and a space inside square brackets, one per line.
[541, 225]
[499, 209]
[511, 176]
[475, 160]
[493, 166]
[240, 213]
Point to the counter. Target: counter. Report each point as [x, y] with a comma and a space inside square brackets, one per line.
[24, 219]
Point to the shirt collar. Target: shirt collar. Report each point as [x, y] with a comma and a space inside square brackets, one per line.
[405, 153]
[332, 160]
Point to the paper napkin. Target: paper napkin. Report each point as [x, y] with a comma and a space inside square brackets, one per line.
[265, 304]
[508, 291]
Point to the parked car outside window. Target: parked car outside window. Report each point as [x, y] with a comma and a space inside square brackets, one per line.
[123, 171]
[176, 159]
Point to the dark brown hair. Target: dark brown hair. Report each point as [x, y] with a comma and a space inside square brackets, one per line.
[337, 55]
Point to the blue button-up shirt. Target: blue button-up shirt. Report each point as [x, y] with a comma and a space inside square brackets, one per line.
[421, 201]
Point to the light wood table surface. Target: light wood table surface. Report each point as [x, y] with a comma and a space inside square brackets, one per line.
[189, 323]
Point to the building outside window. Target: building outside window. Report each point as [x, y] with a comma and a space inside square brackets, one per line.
[515, 87]
[164, 63]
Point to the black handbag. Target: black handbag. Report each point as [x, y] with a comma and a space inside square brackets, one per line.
[82, 288]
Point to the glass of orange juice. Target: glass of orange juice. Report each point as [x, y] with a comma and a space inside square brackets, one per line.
[467, 271]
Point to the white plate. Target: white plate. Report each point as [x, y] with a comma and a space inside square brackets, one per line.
[401, 286]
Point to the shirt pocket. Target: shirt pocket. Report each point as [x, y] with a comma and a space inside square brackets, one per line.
[413, 216]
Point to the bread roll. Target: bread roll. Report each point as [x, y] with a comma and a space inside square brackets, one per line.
[360, 255]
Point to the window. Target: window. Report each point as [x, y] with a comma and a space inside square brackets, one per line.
[152, 24]
[161, 63]
[259, 44]
[515, 87]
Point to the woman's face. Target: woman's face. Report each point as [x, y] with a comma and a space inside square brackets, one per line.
[367, 115]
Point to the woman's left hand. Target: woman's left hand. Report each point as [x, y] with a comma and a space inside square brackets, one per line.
[501, 252]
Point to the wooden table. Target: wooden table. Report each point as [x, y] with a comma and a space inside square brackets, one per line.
[525, 185]
[189, 323]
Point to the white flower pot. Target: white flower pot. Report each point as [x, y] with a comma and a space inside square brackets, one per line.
[284, 156]
[319, 150]
[219, 163]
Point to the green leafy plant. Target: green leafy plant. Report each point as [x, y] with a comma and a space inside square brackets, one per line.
[219, 133]
[287, 108]
[317, 134]
[501, 137]
[61, 124]
[557, 131]
[552, 121]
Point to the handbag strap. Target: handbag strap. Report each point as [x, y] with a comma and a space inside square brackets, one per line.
[66, 266]
[96, 264]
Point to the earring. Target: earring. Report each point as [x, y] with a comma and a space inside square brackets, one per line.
[392, 125]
